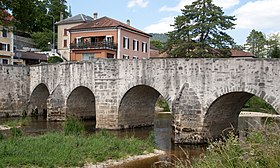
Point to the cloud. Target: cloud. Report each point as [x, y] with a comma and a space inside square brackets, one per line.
[163, 26]
[225, 4]
[141, 3]
[261, 14]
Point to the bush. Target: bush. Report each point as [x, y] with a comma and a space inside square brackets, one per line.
[73, 126]
[54, 59]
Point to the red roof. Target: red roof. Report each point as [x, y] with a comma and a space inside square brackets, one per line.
[106, 22]
[239, 53]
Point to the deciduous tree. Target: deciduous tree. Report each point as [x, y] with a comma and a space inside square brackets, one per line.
[255, 43]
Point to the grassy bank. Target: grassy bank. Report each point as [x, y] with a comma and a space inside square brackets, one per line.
[261, 149]
[68, 149]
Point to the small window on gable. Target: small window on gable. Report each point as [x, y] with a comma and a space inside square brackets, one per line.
[5, 33]
[65, 43]
[65, 32]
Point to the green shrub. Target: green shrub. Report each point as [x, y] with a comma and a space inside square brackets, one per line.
[73, 126]
[163, 104]
[54, 59]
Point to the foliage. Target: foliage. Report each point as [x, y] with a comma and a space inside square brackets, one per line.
[73, 126]
[42, 39]
[16, 132]
[275, 53]
[55, 59]
[58, 150]
[163, 104]
[200, 31]
[255, 43]
[258, 105]
[37, 12]
[261, 149]
[17, 122]
[158, 44]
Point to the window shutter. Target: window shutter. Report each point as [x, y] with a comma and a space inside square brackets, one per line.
[133, 44]
[142, 47]
[124, 42]
[146, 47]
[127, 43]
[137, 45]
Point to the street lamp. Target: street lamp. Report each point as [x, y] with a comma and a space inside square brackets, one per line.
[53, 41]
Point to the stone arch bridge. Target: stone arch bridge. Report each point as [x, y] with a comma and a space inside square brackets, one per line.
[205, 95]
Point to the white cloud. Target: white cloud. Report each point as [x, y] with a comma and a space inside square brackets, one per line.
[141, 3]
[261, 14]
[225, 4]
[163, 26]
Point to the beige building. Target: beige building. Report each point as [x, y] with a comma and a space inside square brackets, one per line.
[63, 36]
[6, 45]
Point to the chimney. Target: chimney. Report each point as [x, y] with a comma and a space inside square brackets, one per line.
[128, 22]
[95, 15]
[61, 16]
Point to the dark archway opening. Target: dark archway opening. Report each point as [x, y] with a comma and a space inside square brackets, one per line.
[38, 100]
[222, 116]
[81, 104]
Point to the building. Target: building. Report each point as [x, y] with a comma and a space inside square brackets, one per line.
[63, 35]
[240, 54]
[29, 58]
[108, 38]
[6, 41]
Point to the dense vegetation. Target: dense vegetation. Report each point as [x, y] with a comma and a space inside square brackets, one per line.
[257, 104]
[68, 149]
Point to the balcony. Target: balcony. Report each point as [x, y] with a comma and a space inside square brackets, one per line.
[95, 45]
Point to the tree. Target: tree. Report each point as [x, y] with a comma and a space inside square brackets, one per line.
[275, 53]
[42, 39]
[58, 7]
[200, 31]
[255, 43]
[159, 45]
[273, 44]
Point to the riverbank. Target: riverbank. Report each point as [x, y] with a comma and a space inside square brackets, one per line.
[59, 150]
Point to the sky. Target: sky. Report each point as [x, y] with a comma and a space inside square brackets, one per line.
[156, 16]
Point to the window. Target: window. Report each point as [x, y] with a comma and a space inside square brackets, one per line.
[144, 47]
[135, 45]
[87, 56]
[65, 32]
[125, 42]
[4, 61]
[4, 47]
[5, 33]
[135, 57]
[125, 57]
[65, 43]
[109, 38]
[110, 55]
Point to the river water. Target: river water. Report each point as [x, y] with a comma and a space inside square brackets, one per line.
[162, 131]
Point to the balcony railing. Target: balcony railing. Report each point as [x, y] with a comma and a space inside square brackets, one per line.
[96, 45]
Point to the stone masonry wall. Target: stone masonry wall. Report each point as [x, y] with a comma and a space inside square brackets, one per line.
[14, 90]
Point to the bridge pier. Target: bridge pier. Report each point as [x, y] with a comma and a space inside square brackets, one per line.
[56, 106]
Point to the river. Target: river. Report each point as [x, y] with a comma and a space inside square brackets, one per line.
[162, 132]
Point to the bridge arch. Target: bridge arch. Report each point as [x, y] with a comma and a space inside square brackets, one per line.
[81, 103]
[38, 99]
[137, 106]
[222, 114]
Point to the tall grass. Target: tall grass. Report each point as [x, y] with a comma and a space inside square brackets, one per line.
[73, 126]
[67, 149]
[261, 149]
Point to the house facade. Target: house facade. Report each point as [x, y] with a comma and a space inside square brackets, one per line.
[63, 35]
[108, 38]
[6, 45]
